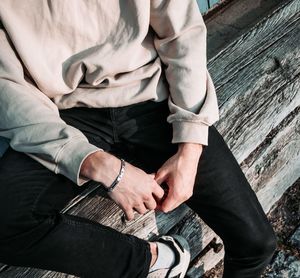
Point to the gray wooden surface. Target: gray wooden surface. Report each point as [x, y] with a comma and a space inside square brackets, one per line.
[258, 87]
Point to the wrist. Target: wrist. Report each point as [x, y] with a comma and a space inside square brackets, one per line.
[102, 167]
[193, 147]
[111, 187]
[190, 150]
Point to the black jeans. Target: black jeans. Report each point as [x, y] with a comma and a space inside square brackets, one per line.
[34, 232]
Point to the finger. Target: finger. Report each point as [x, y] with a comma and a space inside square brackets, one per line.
[169, 203]
[141, 209]
[158, 192]
[129, 213]
[151, 204]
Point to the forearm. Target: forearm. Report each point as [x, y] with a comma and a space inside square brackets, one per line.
[191, 150]
[180, 40]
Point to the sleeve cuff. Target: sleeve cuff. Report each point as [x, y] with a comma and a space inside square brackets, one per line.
[71, 157]
[190, 132]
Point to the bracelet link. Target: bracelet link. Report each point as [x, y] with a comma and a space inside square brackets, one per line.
[118, 178]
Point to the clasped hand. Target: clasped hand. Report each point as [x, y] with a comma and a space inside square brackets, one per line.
[139, 191]
[178, 173]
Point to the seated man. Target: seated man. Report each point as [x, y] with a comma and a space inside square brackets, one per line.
[115, 92]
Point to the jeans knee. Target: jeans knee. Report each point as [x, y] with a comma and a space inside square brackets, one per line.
[253, 244]
[262, 245]
[15, 247]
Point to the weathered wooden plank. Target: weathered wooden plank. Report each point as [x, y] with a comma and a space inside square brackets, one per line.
[194, 229]
[281, 161]
[241, 52]
[277, 155]
[269, 62]
[202, 264]
[265, 149]
[264, 99]
[104, 211]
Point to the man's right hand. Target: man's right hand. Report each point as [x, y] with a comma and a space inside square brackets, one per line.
[136, 191]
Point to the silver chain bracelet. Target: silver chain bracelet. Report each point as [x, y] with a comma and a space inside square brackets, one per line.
[118, 178]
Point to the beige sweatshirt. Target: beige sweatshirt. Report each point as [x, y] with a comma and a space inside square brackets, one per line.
[59, 54]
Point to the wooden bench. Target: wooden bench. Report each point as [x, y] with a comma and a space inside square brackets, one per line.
[257, 78]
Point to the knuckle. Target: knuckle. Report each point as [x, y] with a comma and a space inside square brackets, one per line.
[152, 205]
[147, 198]
[130, 217]
[165, 210]
[144, 210]
[141, 210]
[136, 206]
[127, 207]
[154, 184]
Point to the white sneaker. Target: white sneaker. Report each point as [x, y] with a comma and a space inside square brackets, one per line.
[182, 258]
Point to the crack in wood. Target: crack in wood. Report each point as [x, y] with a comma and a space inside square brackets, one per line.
[270, 136]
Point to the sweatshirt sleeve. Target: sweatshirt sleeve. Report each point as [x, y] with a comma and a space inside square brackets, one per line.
[31, 121]
[180, 40]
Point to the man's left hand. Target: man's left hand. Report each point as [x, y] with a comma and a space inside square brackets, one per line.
[179, 173]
